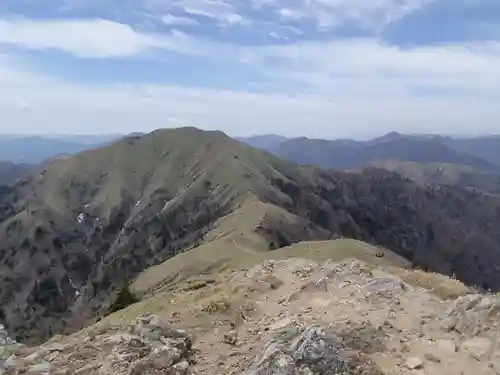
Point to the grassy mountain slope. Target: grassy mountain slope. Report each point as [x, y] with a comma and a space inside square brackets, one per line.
[72, 232]
[83, 223]
[345, 154]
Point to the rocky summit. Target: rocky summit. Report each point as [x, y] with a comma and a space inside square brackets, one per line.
[287, 318]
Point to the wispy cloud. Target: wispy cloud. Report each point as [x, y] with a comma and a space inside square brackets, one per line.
[95, 38]
[291, 14]
[346, 86]
[374, 14]
[56, 107]
[347, 60]
[171, 20]
[221, 11]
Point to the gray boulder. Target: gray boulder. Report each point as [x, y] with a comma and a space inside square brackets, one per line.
[315, 350]
[468, 314]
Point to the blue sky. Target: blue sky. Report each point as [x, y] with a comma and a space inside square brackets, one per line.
[322, 68]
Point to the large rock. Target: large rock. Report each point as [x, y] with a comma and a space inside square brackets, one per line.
[4, 337]
[389, 288]
[150, 346]
[468, 314]
[8, 347]
[315, 350]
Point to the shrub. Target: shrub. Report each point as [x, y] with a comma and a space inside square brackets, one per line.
[123, 299]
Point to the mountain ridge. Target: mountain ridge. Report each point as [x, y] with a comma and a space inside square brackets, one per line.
[347, 154]
[467, 162]
[479, 147]
[79, 226]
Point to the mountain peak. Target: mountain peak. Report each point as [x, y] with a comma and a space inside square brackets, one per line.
[391, 136]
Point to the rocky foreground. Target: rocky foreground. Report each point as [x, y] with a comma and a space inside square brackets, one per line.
[290, 317]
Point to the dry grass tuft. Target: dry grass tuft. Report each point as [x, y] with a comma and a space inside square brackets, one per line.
[219, 303]
[273, 281]
[442, 286]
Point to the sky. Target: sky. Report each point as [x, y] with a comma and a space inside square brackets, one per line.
[319, 68]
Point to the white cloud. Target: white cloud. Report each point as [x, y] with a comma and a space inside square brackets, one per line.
[234, 19]
[83, 38]
[291, 14]
[320, 65]
[351, 88]
[171, 20]
[370, 14]
[374, 14]
[68, 108]
[339, 87]
[221, 11]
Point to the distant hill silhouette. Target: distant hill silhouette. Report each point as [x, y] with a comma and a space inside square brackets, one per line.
[267, 142]
[348, 154]
[35, 149]
[9, 172]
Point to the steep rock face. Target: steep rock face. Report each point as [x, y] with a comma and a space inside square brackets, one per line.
[64, 264]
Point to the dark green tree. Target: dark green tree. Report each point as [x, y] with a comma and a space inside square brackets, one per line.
[124, 298]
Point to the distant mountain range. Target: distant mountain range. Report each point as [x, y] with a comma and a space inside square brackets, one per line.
[480, 156]
[464, 162]
[483, 153]
[35, 149]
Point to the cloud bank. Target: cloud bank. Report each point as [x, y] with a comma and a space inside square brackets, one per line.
[292, 83]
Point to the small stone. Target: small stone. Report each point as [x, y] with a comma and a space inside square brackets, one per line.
[432, 358]
[282, 323]
[40, 368]
[414, 363]
[447, 347]
[477, 347]
[418, 372]
[230, 337]
[181, 368]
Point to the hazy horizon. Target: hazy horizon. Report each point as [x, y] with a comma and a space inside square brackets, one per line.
[247, 135]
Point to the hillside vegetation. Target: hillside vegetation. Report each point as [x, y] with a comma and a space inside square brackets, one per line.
[75, 230]
[444, 174]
